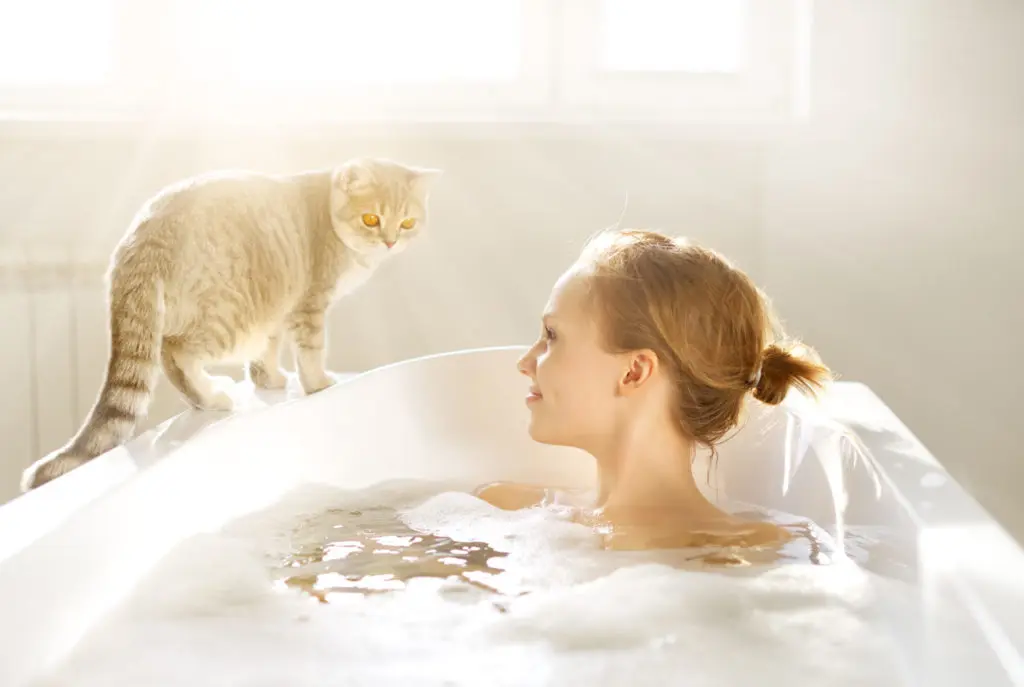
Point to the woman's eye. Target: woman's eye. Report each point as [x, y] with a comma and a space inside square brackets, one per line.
[549, 334]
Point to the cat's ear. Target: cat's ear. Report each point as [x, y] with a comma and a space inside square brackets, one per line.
[422, 179]
[352, 178]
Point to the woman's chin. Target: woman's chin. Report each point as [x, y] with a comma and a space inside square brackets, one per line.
[532, 431]
[544, 435]
[537, 433]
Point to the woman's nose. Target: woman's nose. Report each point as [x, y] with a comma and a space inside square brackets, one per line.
[525, 364]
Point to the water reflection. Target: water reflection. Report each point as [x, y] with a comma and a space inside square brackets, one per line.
[371, 550]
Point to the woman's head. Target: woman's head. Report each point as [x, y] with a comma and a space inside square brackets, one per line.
[644, 323]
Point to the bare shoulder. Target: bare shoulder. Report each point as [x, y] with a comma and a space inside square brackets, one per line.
[672, 533]
[511, 495]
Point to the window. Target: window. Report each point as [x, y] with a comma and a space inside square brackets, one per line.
[325, 60]
[332, 60]
[45, 43]
[342, 42]
[707, 60]
[677, 36]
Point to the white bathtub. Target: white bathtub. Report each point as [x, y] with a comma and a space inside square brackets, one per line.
[70, 551]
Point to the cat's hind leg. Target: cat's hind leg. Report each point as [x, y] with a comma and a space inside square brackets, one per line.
[185, 371]
[265, 372]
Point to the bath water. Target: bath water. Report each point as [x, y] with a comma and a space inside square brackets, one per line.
[421, 583]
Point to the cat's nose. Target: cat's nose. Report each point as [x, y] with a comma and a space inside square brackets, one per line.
[389, 244]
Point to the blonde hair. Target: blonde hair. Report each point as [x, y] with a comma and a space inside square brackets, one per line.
[712, 329]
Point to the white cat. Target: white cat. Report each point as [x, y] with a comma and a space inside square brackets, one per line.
[221, 267]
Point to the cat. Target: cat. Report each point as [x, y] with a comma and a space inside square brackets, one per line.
[219, 267]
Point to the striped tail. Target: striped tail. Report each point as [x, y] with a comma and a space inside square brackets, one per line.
[136, 325]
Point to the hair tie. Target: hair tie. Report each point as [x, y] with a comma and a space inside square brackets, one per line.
[755, 378]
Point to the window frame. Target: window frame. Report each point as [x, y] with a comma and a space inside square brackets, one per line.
[359, 102]
[561, 81]
[768, 87]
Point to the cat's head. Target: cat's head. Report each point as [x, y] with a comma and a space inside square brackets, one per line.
[378, 206]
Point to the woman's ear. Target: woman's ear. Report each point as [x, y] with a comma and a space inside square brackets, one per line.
[640, 367]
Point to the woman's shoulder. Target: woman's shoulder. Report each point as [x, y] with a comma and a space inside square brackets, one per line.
[511, 495]
[516, 495]
[681, 534]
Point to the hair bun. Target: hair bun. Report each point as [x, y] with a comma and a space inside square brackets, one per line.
[783, 368]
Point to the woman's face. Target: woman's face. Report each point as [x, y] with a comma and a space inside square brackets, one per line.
[573, 393]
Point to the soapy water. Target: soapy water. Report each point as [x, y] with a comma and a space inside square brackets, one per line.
[412, 583]
[376, 548]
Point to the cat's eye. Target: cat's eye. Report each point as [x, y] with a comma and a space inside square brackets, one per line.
[371, 220]
[409, 223]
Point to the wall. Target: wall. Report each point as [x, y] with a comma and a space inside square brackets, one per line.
[893, 221]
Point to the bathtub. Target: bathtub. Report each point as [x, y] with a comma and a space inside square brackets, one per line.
[71, 551]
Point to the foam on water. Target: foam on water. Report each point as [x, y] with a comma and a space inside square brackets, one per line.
[556, 609]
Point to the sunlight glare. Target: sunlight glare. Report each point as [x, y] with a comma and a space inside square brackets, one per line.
[677, 36]
[55, 42]
[269, 42]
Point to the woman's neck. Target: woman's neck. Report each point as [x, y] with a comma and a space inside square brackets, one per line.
[646, 469]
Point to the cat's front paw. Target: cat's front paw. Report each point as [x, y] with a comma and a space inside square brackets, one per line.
[219, 401]
[264, 377]
[319, 383]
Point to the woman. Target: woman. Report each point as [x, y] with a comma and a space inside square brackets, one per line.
[649, 348]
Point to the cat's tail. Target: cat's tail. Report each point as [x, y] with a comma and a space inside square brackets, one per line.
[136, 326]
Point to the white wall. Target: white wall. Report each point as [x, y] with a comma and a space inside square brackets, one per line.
[894, 223]
[884, 227]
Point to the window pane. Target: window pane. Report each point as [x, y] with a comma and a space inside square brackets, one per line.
[351, 41]
[55, 42]
[676, 35]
